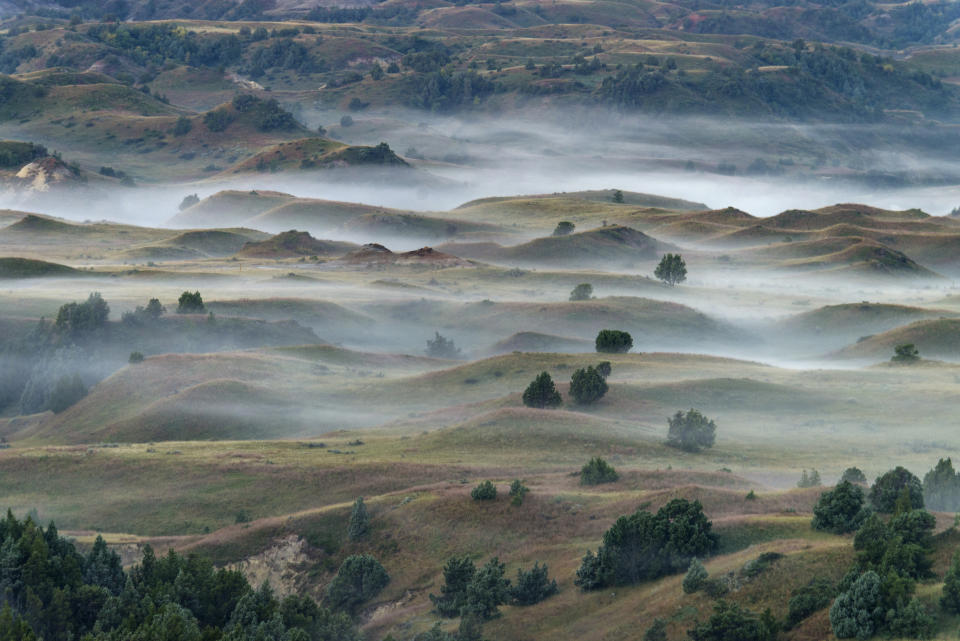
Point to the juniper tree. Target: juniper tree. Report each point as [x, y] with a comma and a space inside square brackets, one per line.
[359, 521]
[587, 386]
[691, 431]
[542, 393]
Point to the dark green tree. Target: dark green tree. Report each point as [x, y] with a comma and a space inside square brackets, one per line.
[542, 393]
[67, 391]
[950, 600]
[564, 228]
[597, 471]
[854, 475]
[731, 622]
[583, 291]
[691, 431]
[906, 353]
[840, 510]
[485, 491]
[587, 386]
[359, 525]
[613, 341]
[359, 579]
[888, 487]
[604, 369]
[695, 577]
[487, 590]
[672, 269]
[533, 585]
[190, 303]
[808, 599]
[657, 631]
[617, 196]
[457, 575]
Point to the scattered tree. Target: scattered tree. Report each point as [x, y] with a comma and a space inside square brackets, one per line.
[564, 228]
[906, 353]
[691, 431]
[78, 319]
[598, 471]
[840, 510]
[182, 128]
[542, 393]
[486, 491]
[533, 586]
[888, 487]
[657, 631]
[809, 480]
[359, 579]
[517, 492]
[854, 475]
[587, 386]
[442, 347]
[457, 575]
[487, 591]
[190, 303]
[617, 196]
[359, 525]
[583, 291]
[604, 369]
[730, 621]
[808, 599]
[613, 341]
[695, 577]
[672, 269]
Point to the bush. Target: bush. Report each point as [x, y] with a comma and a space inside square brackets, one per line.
[587, 386]
[442, 347]
[583, 291]
[657, 631]
[564, 228]
[359, 525]
[695, 577]
[190, 303]
[840, 510]
[346, 121]
[533, 586]
[542, 393]
[517, 491]
[136, 357]
[597, 471]
[907, 353]
[218, 120]
[672, 269]
[691, 431]
[183, 126]
[457, 575]
[613, 341]
[854, 475]
[730, 621]
[808, 599]
[486, 491]
[645, 546]
[359, 579]
[888, 487]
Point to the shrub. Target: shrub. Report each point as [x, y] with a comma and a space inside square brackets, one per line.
[657, 631]
[597, 471]
[218, 120]
[691, 431]
[542, 393]
[190, 303]
[346, 121]
[486, 491]
[587, 386]
[564, 228]
[906, 353]
[182, 126]
[613, 341]
[457, 575]
[533, 586]
[644, 546]
[695, 577]
[136, 357]
[359, 579]
[583, 291]
[442, 347]
[359, 521]
[730, 621]
[517, 491]
[854, 475]
[888, 487]
[672, 269]
[840, 510]
[751, 496]
[757, 566]
[808, 599]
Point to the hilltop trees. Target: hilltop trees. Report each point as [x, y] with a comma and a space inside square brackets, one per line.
[583, 291]
[691, 431]
[587, 385]
[672, 269]
[893, 485]
[542, 393]
[190, 303]
[840, 510]
[442, 347]
[644, 546]
[613, 341]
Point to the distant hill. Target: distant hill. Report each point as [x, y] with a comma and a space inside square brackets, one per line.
[27, 268]
[537, 342]
[293, 243]
[937, 338]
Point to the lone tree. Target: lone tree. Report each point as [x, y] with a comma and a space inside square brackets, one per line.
[587, 386]
[617, 196]
[598, 471]
[564, 228]
[359, 521]
[906, 353]
[672, 269]
[840, 510]
[542, 393]
[190, 303]
[691, 431]
[613, 341]
[583, 291]
[442, 347]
